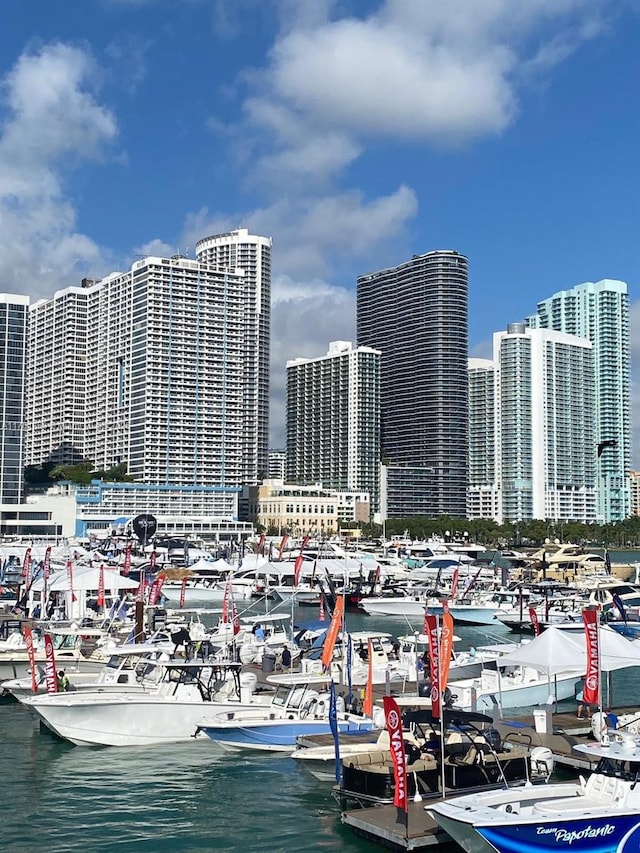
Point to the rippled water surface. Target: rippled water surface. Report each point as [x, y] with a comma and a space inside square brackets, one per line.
[184, 798]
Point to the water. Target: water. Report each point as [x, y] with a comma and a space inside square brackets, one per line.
[184, 798]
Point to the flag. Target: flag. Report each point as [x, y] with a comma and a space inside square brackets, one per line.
[126, 568]
[332, 632]
[446, 645]
[321, 615]
[533, 617]
[26, 566]
[70, 580]
[183, 591]
[618, 603]
[101, 587]
[454, 584]
[297, 569]
[349, 665]
[28, 638]
[591, 689]
[141, 586]
[367, 707]
[261, 544]
[152, 561]
[431, 623]
[393, 722]
[304, 544]
[333, 725]
[45, 577]
[235, 618]
[156, 589]
[50, 667]
[283, 545]
[226, 602]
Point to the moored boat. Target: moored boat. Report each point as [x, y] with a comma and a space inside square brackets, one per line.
[601, 814]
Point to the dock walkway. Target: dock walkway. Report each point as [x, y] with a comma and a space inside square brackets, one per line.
[386, 825]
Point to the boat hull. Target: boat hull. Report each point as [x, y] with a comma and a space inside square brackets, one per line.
[275, 735]
[607, 832]
[125, 720]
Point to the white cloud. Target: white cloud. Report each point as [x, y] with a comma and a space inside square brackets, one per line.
[156, 249]
[444, 74]
[50, 122]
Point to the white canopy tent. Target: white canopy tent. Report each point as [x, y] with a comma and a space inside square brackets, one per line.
[86, 582]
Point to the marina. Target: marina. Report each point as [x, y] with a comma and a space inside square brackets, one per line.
[269, 784]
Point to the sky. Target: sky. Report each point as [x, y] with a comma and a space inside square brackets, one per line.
[355, 133]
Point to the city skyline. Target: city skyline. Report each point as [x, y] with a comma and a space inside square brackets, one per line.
[505, 136]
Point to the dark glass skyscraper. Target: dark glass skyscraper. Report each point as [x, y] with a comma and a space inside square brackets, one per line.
[417, 315]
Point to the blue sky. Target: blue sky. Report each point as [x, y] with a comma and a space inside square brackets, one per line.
[355, 133]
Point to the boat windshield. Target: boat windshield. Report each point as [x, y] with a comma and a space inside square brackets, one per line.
[627, 770]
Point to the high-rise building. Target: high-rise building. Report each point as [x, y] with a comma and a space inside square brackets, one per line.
[333, 420]
[277, 465]
[14, 312]
[168, 376]
[56, 379]
[545, 411]
[483, 495]
[599, 312]
[238, 250]
[416, 314]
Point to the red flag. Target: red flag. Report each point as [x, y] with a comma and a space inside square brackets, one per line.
[431, 623]
[156, 589]
[70, 579]
[321, 615]
[393, 721]
[332, 632]
[26, 566]
[28, 638]
[283, 544]
[226, 601]
[446, 646]
[101, 587]
[126, 568]
[152, 562]
[141, 587]
[297, 569]
[183, 591]
[46, 564]
[261, 544]
[304, 544]
[591, 689]
[235, 619]
[50, 668]
[454, 585]
[367, 707]
[533, 618]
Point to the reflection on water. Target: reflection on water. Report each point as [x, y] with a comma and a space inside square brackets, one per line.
[183, 797]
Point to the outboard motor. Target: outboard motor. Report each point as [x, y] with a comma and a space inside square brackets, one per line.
[542, 762]
[492, 736]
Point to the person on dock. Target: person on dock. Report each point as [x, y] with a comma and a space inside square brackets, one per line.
[63, 682]
[286, 658]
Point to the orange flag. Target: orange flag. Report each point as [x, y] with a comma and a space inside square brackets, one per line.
[332, 632]
[446, 646]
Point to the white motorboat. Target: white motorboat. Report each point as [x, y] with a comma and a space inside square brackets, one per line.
[75, 649]
[299, 707]
[512, 686]
[601, 814]
[175, 695]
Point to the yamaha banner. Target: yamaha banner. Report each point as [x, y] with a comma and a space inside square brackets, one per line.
[591, 689]
[393, 722]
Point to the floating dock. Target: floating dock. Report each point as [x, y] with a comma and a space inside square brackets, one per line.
[387, 825]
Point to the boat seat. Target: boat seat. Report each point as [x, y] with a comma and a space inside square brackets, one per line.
[365, 759]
